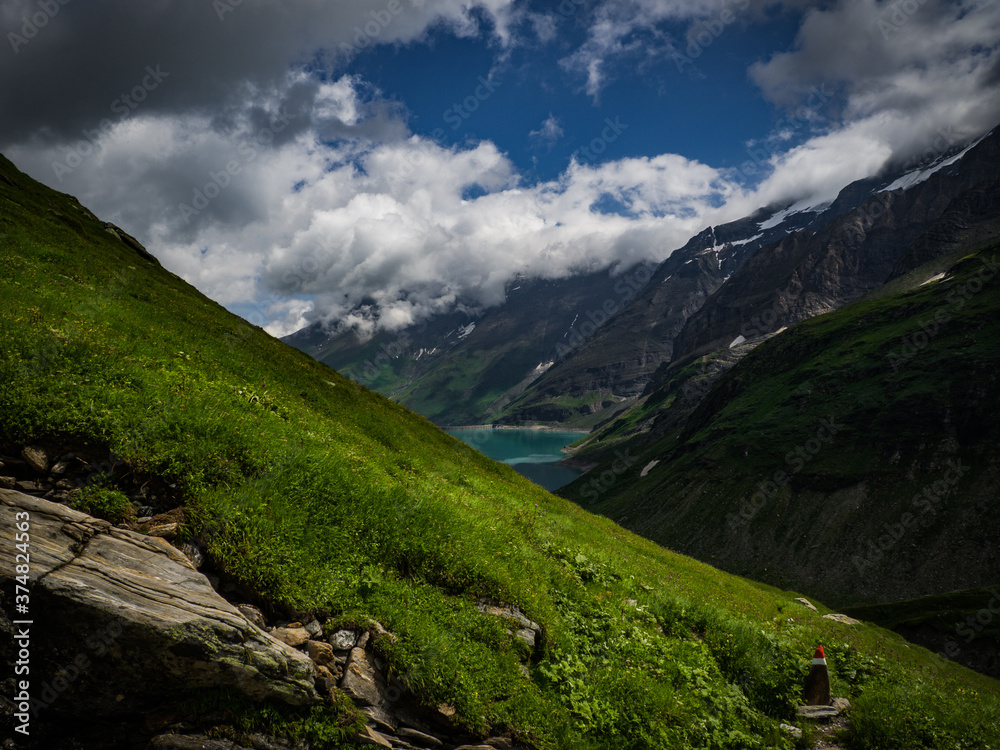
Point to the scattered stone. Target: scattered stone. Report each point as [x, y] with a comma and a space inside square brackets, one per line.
[36, 458]
[8, 483]
[370, 737]
[382, 719]
[325, 679]
[419, 738]
[791, 730]
[343, 640]
[842, 619]
[65, 484]
[193, 552]
[806, 603]
[359, 680]
[528, 636]
[294, 637]
[816, 712]
[319, 652]
[509, 613]
[376, 631]
[841, 704]
[58, 496]
[162, 530]
[315, 629]
[60, 468]
[632, 603]
[363, 640]
[446, 710]
[143, 519]
[26, 486]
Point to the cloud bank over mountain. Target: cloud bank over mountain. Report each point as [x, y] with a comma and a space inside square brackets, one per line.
[236, 141]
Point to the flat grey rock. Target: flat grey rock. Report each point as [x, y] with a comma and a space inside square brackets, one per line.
[144, 619]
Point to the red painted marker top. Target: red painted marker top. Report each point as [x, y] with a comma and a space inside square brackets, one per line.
[819, 653]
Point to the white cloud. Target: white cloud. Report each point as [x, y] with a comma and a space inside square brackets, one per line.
[305, 197]
[549, 132]
[906, 70]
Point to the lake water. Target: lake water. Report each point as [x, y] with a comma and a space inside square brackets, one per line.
[532, 453]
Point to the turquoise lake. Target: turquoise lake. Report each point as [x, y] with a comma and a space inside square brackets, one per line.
[532, 453]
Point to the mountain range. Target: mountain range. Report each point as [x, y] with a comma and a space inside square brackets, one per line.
[829, 345]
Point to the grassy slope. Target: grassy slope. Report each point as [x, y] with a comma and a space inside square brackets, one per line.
[897, 427]
[322, 495]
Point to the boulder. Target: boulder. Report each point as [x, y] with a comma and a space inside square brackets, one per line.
[370, 737]
[360, 680]
[343, 640]
[842, 619]
[146, 626]
[319, 652]
[252, 614]
[382, 719]
[526, 635]
[841, 704]
[806, 603]
[294, 637]
[36, 458]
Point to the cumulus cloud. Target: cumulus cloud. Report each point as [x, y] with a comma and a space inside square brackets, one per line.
[295, 193]
[904, 72]
[66, 75]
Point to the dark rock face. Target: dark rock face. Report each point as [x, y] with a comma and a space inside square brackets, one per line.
[821, 269]
[114, 608]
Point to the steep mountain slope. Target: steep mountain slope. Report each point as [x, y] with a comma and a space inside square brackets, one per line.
[817, 270]
[310, 496]
[460, 368]
[852, 456]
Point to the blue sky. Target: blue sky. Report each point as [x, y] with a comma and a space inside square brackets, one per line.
[372, 163]
[703, 106]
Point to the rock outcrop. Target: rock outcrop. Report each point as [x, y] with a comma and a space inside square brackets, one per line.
[111, 607]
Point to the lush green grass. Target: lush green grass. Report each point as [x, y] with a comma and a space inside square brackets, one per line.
[323, 496]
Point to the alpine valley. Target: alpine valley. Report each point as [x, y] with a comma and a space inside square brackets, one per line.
[806, 396]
